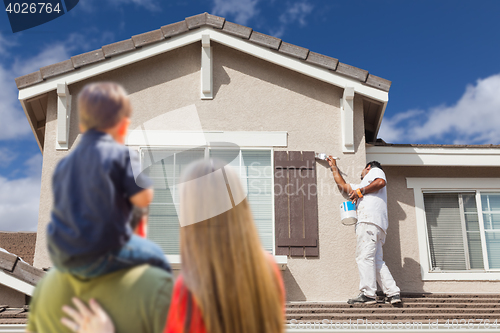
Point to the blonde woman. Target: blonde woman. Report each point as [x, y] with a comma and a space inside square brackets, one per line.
[228, 283]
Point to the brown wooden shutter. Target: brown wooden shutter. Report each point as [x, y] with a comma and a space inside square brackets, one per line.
[296, 204]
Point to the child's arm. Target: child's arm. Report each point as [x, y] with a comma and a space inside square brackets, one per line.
[143, 198]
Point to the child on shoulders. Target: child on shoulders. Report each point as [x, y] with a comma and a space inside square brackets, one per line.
[94, 189]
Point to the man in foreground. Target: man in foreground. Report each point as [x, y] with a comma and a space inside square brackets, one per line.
[137, 298]
[371, 229]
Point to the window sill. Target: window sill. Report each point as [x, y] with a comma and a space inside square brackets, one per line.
[175, 261]
[461, 276]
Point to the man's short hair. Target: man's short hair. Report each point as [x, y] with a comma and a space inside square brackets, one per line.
[374, 164]
[102, 105]
[137, 214]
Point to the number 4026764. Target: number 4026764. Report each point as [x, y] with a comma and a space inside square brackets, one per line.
[32, 8]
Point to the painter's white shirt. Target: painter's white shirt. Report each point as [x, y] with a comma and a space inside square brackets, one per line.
[372, 208]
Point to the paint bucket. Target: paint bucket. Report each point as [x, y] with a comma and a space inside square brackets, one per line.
[348, 214]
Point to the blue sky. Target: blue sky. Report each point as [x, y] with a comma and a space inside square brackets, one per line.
[441, 55]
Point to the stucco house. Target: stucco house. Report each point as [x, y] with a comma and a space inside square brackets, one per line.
[204, 81]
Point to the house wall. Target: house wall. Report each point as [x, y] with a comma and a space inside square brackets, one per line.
[401, 251]
[11, 297]
[249, 95]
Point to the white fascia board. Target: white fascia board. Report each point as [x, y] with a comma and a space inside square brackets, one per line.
[16, 284]
[194, 36]
[413, 156]
[194, 139]
[419, 185]
[115, 62]
[175, 261]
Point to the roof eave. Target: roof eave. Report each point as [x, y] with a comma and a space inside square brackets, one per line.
[478, 156]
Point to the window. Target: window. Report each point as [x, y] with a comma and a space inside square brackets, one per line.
[458, 223]
[455, 234]
[165, 166]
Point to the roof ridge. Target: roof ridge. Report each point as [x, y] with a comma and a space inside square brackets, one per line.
[195, 22]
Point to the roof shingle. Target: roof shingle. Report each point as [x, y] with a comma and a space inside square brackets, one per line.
[294, 50]
[352, 71]
[322, 60]
[265, 40]
[174, 29]
[57, 69]
[148, 38]
[118, 48]
[193, 22]
[88, 58]
[237, 30]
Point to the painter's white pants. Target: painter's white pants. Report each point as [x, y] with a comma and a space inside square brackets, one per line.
[371, 265]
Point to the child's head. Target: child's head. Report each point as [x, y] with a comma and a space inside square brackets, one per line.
[102, 106]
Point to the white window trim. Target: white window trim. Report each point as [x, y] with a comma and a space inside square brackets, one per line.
[258, 139]
[175, 260]
[419, 185]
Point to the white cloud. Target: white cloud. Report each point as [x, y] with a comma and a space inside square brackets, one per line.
[14, 123]
[240, 10]
[296, 12]
[473, 119]
[5, 44]
[20, 198]
[51, 54]
[34, 166]
[6, 157]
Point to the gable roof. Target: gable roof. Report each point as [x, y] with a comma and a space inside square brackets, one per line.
[33, 88]
[17, 274]
[194, 22]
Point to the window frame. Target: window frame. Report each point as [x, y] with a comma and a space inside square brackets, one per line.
[175, 259]
[444, 185]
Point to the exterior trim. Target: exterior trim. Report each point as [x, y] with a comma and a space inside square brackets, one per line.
[196, 36]
[175, 261]
[191, 138]
[420, 184]
[113, 63]
[206, 68]
[347, 119]
[297, 65]
[414, 156]
[16, 284]
[63, 116]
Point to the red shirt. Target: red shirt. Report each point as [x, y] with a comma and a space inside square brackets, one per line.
[176, 320]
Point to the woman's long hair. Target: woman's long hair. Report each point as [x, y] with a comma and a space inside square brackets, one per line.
[223, 263]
